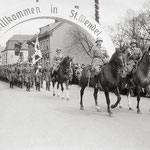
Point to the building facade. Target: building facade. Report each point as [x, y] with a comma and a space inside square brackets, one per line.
[57, 35]
[9, 56]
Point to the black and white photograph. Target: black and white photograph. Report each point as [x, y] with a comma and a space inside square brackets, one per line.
[75, 75]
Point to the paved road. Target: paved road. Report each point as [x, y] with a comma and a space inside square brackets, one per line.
[38, 121]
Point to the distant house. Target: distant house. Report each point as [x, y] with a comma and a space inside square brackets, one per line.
[9, 55]
[57, 35]
[1, 49]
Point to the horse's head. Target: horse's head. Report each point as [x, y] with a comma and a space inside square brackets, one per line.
[117, 59]
[67, 62]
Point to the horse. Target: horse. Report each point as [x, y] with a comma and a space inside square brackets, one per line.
[140, 78]
[63, 75]
[108, 77]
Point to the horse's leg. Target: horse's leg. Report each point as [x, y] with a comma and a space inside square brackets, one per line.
[81, 97]
[108, 101]
[95, 98]
[117, 93]
[53, 82]
[62, 89]
[46, 85]
[39, 85]
[129, 100]
[57, 89]
[49, 83]
[36, 86]
[67, 89]
[29, 86]
[138, 99]
[12, 85]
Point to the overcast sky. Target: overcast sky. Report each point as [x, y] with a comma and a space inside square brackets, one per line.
[110, 12]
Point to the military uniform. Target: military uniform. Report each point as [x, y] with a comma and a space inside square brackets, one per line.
[27, 74]
[100, 57]
[133, 55]
[57, 60]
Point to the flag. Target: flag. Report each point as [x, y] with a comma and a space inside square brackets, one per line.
[17, 48]
[37, 52]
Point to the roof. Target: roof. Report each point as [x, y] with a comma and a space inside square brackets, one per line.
[2, 48]
[45, 30]
[49, 27]
[20, 37]
[15, 38]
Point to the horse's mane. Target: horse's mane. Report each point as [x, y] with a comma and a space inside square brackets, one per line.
[143, 56]
[65, 60]
[114, 57]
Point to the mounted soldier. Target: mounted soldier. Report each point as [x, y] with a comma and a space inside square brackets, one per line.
[133, 56]
[100, 57]
[57, 60]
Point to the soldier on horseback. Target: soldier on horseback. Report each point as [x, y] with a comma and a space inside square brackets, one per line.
[99, 58]
[56, 61]
[133, 55]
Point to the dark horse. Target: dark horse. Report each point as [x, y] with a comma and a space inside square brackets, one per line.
[109, 78]
[141, 78]
[63, 75]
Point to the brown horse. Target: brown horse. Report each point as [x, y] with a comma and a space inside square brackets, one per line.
[63, 75]
[109, 78]
[141, 78]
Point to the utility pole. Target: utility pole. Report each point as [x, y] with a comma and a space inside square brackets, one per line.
[96, 10]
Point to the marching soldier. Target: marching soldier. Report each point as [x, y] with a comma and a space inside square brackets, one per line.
[47, 75]
[12, 75]
[28, 76]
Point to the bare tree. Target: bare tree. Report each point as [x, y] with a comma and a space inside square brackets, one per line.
[134, 25]
[78, 38]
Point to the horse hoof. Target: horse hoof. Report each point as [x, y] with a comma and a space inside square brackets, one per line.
[81, 108]
[112, 106]
[67, 99]
[120, 107]
[130, 108]
[139, 112]
[53, 94]
[98, 110]
[110, 114]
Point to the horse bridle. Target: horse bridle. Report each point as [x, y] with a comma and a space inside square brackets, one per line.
[67, 70]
